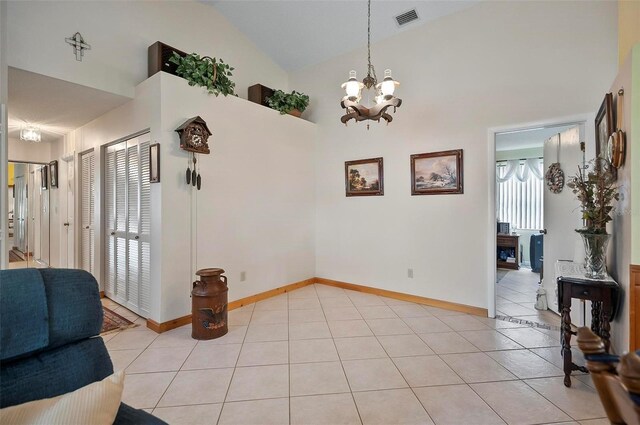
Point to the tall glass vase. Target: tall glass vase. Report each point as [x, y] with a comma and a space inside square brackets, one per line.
[595, 247]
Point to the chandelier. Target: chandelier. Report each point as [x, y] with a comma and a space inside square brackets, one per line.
[383, 94]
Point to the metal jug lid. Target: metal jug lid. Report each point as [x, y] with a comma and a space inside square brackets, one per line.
[209, 272]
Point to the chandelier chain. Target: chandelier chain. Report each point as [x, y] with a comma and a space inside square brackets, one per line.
[370, 68]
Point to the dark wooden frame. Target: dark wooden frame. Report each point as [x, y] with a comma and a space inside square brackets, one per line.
[53, 173]
[259, 94]
[459, 173]
[604, 113]
[44, 177]
[158, 55]
[154, 174]
[379, 191]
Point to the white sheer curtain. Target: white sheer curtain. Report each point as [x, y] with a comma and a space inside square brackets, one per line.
[519, 193]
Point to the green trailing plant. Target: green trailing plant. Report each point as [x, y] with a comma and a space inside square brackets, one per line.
[287, 102]
[596, 192]
[211, 73]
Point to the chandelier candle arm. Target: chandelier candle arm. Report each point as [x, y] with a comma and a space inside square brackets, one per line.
[383, 95]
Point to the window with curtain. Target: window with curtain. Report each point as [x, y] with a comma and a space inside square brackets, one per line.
[519, 193]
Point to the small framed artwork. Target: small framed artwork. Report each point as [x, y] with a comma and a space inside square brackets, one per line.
[44, 173]
[604, 124]
[53, 173]
[437, 173]
[154, 163]
[364, 177]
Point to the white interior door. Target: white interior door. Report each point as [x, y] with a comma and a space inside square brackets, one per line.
[69, 214]
[561, 213]
[33, 238]
[20, 213]
[43, 212]
[127, 223]
[87, 210]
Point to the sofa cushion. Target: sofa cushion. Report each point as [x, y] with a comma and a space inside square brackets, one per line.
[73, 301]
[54, 372]
[24, 326]
[95, 404]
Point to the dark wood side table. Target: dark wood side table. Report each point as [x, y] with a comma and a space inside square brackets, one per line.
[603, 295]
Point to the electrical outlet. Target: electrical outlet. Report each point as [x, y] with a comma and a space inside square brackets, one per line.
[410, 273]
[243, 276]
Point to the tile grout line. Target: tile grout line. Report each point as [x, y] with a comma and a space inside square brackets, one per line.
[226, 394]
[342, 365]
[175, 376]
[558, 407]
[400, 372]
[289, 358]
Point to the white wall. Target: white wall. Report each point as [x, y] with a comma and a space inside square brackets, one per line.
[20, 150]
[4, 72]
[621, 228]
[492, 65]
[256, 210]
[120, 33]
[143, 112]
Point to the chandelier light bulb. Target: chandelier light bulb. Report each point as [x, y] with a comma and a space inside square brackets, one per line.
[30, 133]
[388, 85]
[352, 86]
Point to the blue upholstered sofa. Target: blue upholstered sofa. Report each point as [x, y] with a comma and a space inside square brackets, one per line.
[50, 320]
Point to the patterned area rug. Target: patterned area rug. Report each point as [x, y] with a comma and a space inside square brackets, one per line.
[113, 321]
[527, 322]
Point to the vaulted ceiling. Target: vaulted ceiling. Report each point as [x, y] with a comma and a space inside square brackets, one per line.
[301, 33]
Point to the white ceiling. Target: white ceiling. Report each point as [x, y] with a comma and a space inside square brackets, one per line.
[300, 33]
[526, 139]
[56, 106]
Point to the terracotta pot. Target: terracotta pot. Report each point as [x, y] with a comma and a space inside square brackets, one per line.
[295, 113]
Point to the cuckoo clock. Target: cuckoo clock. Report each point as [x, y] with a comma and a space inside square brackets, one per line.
[194, 134]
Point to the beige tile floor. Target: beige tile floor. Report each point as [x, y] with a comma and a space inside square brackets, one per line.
[324, 355]
[516, 297]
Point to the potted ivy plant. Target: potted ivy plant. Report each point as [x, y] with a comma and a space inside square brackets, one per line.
[211, 73]
[293, 103]
[596, 192]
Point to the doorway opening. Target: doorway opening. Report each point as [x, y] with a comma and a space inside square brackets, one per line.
[534, 225]
[28, 215]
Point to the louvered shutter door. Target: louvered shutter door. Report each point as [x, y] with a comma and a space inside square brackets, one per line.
[92, 211]
[128, 216]
[85, 182]
[120, 221]
[109, 223]
[145, 228]
[87, 205]
[133, 186]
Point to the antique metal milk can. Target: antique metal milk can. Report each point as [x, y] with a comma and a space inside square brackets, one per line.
[209, 305]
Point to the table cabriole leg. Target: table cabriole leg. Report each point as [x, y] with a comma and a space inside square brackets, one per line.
[566, 343]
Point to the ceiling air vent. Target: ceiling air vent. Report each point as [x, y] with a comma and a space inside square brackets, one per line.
[407, 17]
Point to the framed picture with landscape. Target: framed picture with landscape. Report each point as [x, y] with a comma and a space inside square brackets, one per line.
[604, 124]
[364, 177]
[436, 173]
